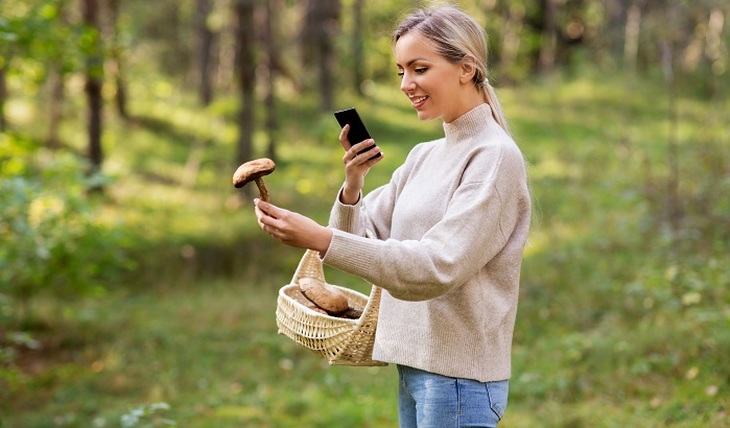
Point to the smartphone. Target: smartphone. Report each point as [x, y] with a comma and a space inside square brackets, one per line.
[358, 132]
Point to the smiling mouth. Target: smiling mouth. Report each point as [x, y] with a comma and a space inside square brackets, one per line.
[418, 101]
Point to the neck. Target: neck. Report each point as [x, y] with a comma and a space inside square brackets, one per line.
[468, 100]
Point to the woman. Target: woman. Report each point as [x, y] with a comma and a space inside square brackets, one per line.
[451, 226]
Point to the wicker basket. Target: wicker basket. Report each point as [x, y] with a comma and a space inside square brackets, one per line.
[341, 341]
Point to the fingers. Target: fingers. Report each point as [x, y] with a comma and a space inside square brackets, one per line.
[352, 151]
[266, 214]
[343, 137]
[267, 220]
[268, 209]
[361, 152]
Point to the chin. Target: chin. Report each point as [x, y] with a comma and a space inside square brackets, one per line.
[422, 115]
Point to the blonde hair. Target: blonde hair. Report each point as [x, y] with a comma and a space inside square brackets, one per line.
[456, 36]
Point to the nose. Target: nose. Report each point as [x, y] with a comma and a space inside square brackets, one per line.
[407, 84]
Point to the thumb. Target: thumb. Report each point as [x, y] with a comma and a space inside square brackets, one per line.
[266, 207]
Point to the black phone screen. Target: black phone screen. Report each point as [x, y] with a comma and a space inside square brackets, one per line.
[358, 132]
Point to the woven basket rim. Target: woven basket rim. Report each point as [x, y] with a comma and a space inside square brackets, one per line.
[348, 291]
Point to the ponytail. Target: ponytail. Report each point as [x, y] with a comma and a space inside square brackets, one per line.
[490, 96]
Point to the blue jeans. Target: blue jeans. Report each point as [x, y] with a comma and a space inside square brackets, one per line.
[428, 400]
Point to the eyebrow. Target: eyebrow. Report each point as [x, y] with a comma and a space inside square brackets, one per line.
[409, 63]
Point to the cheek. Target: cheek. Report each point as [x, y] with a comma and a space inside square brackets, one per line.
[441, 83]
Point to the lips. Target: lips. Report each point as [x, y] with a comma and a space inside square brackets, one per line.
[418, 101]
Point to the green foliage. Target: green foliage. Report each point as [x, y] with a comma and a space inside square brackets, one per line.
[38, 36]
[11, 377]
[148, 416]
[55, 239]
[624, 304]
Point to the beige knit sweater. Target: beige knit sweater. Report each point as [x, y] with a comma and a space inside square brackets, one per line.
[451, 226]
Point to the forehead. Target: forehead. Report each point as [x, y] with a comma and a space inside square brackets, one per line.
[412, 47]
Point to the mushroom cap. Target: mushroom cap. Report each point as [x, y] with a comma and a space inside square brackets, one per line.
[252, 170]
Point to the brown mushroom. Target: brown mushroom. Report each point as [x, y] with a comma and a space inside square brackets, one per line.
[324, 295]
[296, 294]
[254, 171]
[351, 313]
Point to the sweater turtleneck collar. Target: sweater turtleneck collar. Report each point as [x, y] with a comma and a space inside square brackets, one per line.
[469, 124]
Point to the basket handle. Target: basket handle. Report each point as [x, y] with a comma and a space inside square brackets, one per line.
[310, 266]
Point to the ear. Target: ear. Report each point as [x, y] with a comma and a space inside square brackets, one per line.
[468, 69]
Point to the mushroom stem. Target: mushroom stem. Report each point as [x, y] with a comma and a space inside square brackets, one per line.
[263, 191]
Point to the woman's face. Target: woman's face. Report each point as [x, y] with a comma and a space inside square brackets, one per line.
[434, 85]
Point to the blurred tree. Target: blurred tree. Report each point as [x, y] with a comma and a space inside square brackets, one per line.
[270, 38]
[37, 37]
[358, 54]
[116, 58]
[548, 37]
[245, 77]
[57, 82]
[206, 39]
[614, 27]
[321, 26]
[631, 35]
[93, 86]
[62, 57]
[509, 33]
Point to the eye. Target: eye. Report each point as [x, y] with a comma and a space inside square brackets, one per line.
[421, 70]
[401, 73]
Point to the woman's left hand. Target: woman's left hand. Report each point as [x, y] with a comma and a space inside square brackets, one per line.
[292, 228]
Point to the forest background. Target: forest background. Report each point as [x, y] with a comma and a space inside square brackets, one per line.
[137, 290]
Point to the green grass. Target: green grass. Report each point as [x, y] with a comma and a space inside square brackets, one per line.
[210, 351]
[623, 321]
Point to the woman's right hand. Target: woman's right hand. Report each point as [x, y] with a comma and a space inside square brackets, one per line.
[356, 165]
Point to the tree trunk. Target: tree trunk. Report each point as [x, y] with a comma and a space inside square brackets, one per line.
[615, 12]
[57, 83]
[93, 87]
[358, 56]
[246, 75]
[331, 27]
[668, 48]
[548, 39]
[55, 105]
[631, 38]
[117, 53]
[321, 27]
[271, 61]
[716, 50]
[205, 47]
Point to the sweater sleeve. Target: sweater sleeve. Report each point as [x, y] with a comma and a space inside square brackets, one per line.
[481, 213]
[373, 212]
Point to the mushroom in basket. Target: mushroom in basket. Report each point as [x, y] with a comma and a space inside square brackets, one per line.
[327, 297]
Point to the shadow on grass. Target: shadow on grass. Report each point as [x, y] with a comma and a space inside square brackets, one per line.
[160, 127]
[246, 260]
